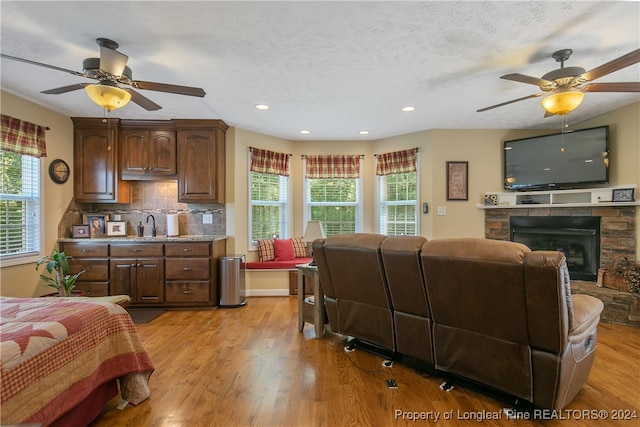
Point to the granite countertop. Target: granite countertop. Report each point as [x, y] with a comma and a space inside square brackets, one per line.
[159, 239]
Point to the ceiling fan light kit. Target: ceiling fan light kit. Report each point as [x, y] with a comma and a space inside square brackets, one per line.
[111, 71]
[107, 96]
[562, 103]
[566, 85]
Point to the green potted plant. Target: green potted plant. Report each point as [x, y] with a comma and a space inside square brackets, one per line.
[58, 263]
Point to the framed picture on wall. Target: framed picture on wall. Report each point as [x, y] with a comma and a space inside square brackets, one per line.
[457, 181]
[97, 223]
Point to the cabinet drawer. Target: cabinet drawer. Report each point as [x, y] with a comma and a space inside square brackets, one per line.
[187, 249]
[94, 269]
[83, 249]
[136, 250]
[187, 268]
[178, 292]
[93, 289]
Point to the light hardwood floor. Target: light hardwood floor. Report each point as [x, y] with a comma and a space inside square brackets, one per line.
[250, 366]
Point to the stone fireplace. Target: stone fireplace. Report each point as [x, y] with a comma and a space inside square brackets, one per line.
[617, 226]
[578, 237]
[617, 237]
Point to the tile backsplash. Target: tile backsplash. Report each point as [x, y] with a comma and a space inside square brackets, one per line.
[157, 198]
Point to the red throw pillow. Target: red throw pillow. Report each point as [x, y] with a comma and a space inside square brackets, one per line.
[283, 249]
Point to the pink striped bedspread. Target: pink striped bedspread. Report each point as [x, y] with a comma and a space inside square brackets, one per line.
[55, 351]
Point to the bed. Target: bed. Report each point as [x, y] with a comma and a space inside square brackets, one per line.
[62, 359]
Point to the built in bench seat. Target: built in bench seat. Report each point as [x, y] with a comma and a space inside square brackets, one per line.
[288, 265]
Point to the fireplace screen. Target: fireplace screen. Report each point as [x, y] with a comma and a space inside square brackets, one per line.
[577, 237]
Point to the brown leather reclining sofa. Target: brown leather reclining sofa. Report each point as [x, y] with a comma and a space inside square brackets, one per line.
[492, 312]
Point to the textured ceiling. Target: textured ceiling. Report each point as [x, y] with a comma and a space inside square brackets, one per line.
[333, 68]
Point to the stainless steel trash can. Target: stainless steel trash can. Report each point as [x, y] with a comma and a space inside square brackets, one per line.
[232, 285]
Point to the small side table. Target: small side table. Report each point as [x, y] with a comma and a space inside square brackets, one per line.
[311, 309]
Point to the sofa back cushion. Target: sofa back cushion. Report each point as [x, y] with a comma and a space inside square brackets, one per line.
[356, 268]
[353, 280]
[478, 305]
[403, 270]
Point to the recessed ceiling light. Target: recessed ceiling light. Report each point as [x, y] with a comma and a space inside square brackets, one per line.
[305, 132]
[262, 107]
[364, 132]
[408, 108]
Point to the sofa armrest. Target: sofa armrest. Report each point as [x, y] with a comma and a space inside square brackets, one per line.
[586, 315]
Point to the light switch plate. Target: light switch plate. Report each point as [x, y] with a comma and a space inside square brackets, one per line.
[442, 210]
[117, 217]
[207, 218]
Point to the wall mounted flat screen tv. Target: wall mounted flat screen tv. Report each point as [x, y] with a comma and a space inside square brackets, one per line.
[559, 161]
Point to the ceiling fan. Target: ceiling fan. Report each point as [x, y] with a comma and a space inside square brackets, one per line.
[565, 87]
[111, 71]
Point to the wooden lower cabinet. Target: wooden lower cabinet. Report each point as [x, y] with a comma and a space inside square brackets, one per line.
[177, 274]
[140, 278]
[188, 273]
[140, 273]
[92, 258]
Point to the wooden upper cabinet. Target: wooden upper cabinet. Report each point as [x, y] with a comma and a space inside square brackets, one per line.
[201, 170]
[96, 174]
[148, 154]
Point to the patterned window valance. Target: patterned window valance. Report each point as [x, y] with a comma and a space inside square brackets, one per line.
[333, 166]
[396, 162]
[22, 137]
[271, 162]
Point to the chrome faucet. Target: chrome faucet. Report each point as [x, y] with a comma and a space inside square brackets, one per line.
[153, 225]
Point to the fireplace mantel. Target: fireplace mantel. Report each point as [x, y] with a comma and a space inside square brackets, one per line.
[576, 198]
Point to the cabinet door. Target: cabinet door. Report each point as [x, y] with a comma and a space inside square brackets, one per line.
[96, 177]
[148, 155]
[123, 277]
[162, 148]
[134, 153]
[150, 281]
[200, 166]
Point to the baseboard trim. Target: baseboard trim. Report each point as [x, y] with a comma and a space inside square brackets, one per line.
[267, 292]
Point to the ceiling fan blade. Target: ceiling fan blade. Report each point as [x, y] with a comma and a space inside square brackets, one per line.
[612, 87]
[112, 61]
[611, 66]
[143, 101]
[517, 77]
[40, 64]
[65, 89]
[548, 114]
[509, 102]
[163, 87]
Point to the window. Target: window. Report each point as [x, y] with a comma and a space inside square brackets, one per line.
[268, 194]
[19, 207]
[398, 192]
[269, 212]
[332, 192]
[398, 204]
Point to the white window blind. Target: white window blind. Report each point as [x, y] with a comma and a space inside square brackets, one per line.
[398, 204]
[19, 206]
[269, 213]
[335, 202]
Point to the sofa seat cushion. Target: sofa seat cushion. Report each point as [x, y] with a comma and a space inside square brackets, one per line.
[277, 265]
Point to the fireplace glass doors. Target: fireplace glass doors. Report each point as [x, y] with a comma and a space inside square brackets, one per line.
[577, 237]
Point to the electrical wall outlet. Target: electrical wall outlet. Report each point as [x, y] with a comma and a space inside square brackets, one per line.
[207, 218]
[442, 210]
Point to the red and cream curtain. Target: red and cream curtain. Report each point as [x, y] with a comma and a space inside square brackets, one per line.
[333, 166]
[396, 162]
[22, 137]
[270, 162]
